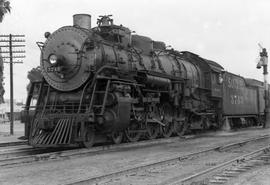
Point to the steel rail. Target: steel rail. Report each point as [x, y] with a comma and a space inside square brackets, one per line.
[96, 179]
[13, 151]
[13, 148]
[13, 143]
[81, 151]
[247, 156]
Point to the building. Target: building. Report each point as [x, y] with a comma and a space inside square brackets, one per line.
[5, 110]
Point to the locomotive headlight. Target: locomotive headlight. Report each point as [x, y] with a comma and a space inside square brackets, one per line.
[53, 59]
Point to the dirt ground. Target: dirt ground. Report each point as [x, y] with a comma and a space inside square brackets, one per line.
[80, 168]
[169, 173]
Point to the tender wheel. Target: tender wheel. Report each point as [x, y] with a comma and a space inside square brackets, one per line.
[152, 131]
[117, 137]
[132, 134]
[89, 137]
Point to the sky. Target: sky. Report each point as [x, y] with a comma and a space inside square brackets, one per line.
[226, 31]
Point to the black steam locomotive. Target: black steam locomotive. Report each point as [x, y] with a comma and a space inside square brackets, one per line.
[105, 82]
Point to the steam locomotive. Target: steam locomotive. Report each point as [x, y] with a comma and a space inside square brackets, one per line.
[105, 82]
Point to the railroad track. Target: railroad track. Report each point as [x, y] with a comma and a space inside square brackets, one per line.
[25, 154]
[28, 154]
[17, 152]
[14, 149]
[94, 180]
[229, 169]
[16, 143]
[23, 151]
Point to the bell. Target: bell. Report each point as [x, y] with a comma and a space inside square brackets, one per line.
[259, 66]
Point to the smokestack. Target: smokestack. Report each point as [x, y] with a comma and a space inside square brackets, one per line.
[82, 21]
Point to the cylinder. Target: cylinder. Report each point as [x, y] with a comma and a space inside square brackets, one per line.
[82, 21]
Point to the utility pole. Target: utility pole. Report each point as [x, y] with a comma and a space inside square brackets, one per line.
[264, 62]
[9, 42]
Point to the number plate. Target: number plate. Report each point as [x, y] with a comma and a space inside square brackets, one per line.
[53, 69]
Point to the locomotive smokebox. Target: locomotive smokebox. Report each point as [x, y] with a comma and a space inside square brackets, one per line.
[82, 21]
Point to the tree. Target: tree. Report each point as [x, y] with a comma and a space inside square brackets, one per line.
[4, 8]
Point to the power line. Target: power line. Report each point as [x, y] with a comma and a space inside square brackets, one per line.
[12, 45]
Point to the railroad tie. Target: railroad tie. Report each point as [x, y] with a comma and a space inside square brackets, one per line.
[220, 177]
[234, 173]
[228, 175]
[264, 157]
[245, 168]
[237, 170]
[255, 161]
[214, 181]
[249, 166]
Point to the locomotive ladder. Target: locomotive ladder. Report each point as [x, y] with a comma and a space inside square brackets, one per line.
[104, 93]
